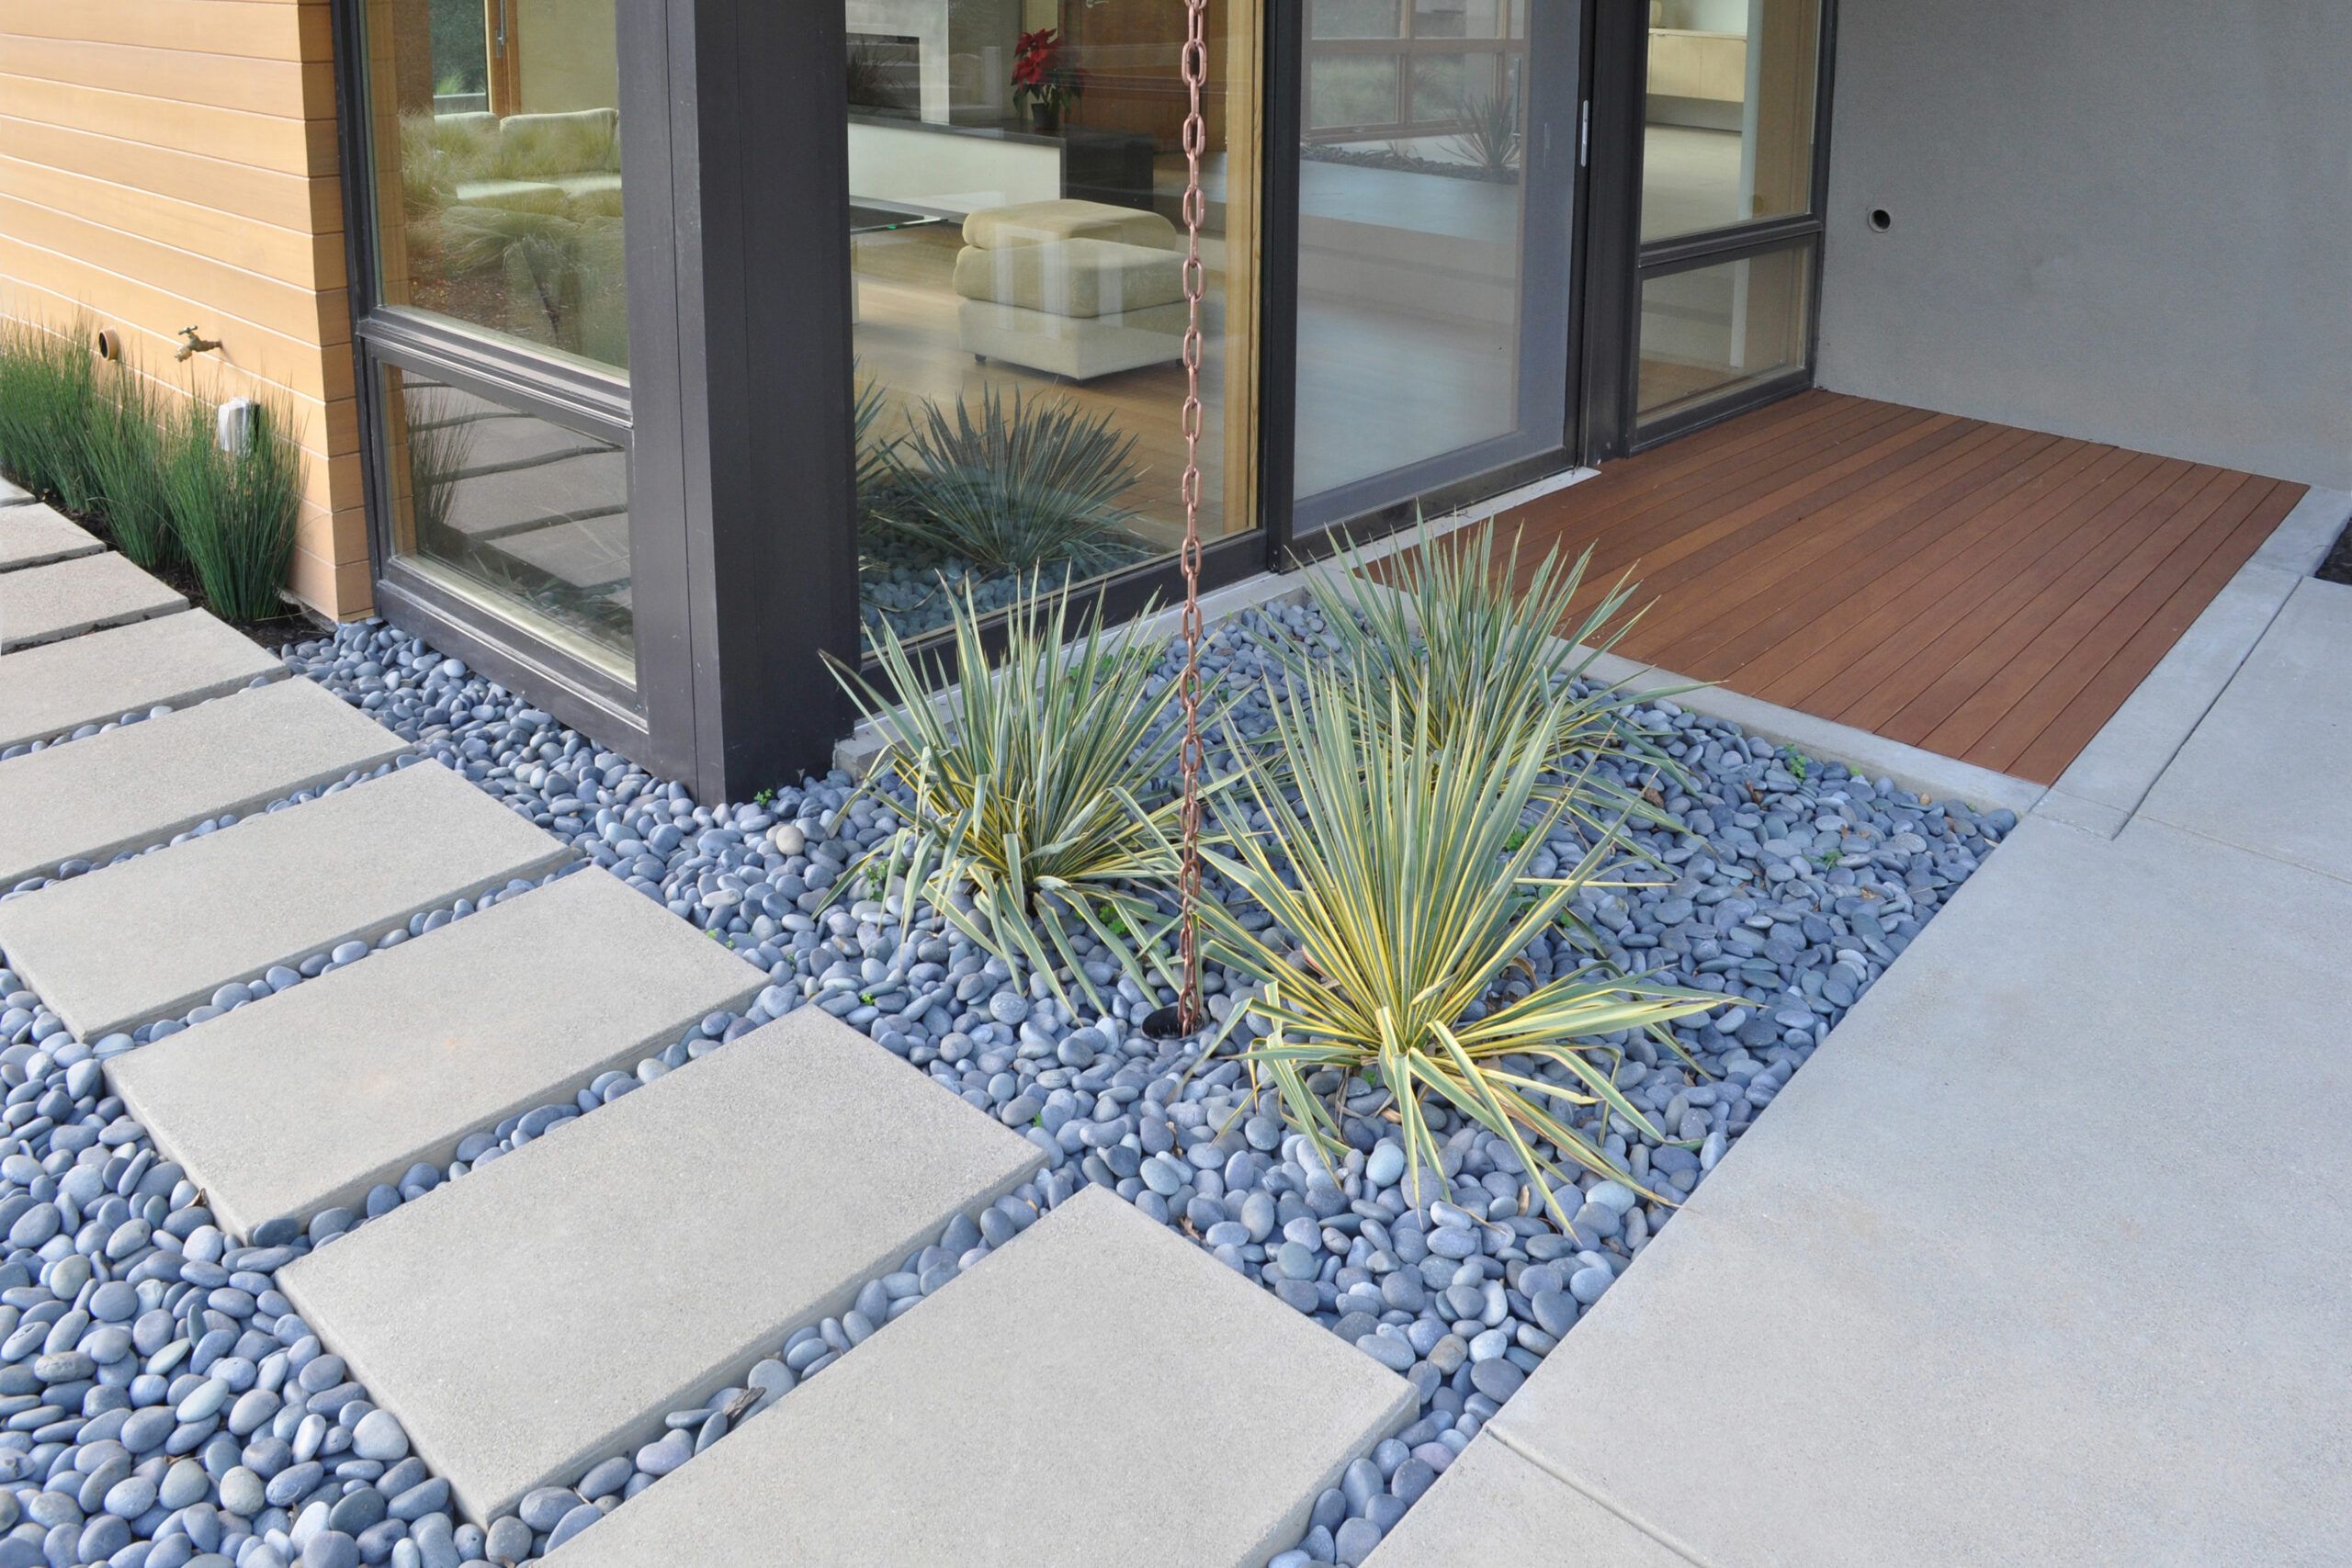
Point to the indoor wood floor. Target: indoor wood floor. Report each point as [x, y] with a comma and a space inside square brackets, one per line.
[1984, 592]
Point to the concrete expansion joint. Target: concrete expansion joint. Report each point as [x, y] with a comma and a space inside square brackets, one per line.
[1688, 1554]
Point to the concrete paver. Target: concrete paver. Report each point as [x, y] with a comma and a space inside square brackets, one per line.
[549, 1309]
[36, 536]
[177, 660]
[305, 1101]
[145, 782]
[47, 604]
[1098, 1393]
[153, 937]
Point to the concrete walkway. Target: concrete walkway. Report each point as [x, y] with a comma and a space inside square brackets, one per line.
[2042, 1259]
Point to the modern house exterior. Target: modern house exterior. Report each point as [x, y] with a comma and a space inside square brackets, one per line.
[622, 335]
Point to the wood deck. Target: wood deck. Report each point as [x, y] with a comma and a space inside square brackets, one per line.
[1984, 592]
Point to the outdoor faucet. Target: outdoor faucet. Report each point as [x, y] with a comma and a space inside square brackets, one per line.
[192, 344]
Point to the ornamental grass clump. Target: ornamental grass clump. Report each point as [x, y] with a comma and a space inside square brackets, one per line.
[235, 511]
[127, 454]
[48, 401]
[1033, 817]
[1020, 487]
[1461, 647]
[1396, 869]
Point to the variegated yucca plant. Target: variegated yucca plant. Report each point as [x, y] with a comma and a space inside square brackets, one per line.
[1398, 869]
[1033, 822]
[1461, 646]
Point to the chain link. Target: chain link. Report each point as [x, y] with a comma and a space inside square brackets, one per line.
[1195, 63]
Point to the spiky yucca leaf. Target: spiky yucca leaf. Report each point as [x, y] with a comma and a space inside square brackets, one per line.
[1461, 645]
[1403, 876]
[1020, 487]
[1033, 828]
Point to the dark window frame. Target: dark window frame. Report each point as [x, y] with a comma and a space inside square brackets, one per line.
[1295, 542]
[1621, 261]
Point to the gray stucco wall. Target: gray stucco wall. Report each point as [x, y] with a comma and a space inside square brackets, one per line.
[2128, 220]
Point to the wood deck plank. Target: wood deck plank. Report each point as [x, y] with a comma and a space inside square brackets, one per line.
[1992, 593]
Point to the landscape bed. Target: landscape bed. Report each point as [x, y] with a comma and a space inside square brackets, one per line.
[166, 1406]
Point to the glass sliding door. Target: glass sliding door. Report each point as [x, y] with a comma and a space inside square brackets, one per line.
[1436, 168]
[1728, 219]
[495, 336]
[1017, 258]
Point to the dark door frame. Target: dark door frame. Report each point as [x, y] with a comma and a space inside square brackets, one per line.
[1560, 35]
[1620, 261]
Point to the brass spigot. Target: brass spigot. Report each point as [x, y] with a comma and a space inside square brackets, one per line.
[192, 344]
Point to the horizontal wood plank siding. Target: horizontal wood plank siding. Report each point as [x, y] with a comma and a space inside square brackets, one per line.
[1985, 592]
[167, 164]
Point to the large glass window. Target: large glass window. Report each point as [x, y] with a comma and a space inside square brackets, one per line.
[1727, 128]
[1433, 251]
[497, 146]
[494, 135]
[1710, 331]
[1017, 265]
[1729, 229]
[530, 515]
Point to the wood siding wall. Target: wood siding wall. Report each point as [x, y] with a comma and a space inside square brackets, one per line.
[167, 164]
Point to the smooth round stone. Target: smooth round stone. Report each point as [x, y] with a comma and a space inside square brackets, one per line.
[1497, 1379]
[1454, 1242]
[509, 1542]
[543, 1505]
[659, 1458]
[1586, 1284]
[1555, 1311]
[330, 1548]
[610, 1476]
[1387, 1164]
[1354, 1539]
[572, 1523]
[1394, 1354]
[379, 1437]
[240, 1492]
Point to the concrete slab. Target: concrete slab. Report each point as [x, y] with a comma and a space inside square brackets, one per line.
[1099, 1392]
[153, 937]
[36, 536]
[306, 1100]
[145, 782]
[46, 604]
[178, 660]
[550, 1308]
[2024, 1267]
[12, 494]
[1493, 1505]
[2304, 536]
[2266, 770]
[2112, 774]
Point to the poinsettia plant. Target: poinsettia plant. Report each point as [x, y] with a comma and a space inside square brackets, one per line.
[1043, 76]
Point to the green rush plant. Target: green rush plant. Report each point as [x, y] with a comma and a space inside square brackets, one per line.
[127, 454]
[1023, 485]
[1031, 820]
[48, 401]
[235, 511]
[1399, 908]
[1462, 647]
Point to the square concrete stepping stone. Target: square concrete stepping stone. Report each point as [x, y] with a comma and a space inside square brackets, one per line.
[45, 603]
[145, 782]
[550, 1309]
[1494, 1506]
[153, 937]
[304, 1100]
[171, 662]
[12, 494]
[1099, 1392]
[2267, 767]
[36, 536]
